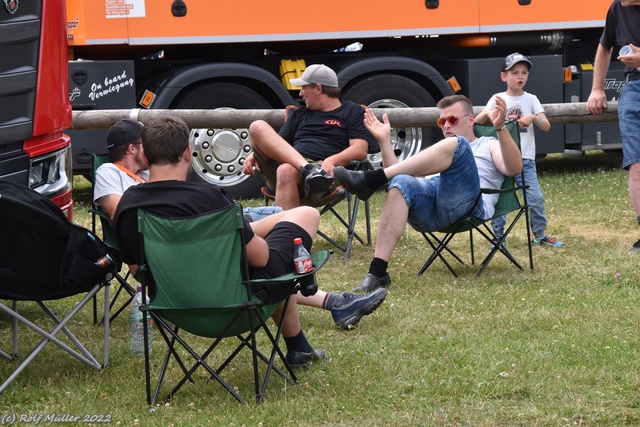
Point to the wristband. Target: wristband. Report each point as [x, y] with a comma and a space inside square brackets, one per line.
[539, 122]
[501, 129]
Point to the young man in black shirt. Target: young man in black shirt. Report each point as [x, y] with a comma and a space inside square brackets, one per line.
[269, 242]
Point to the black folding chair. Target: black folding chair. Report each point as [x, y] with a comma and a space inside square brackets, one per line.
[45, 257]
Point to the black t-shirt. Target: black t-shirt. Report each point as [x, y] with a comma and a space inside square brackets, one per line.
[170, 199]
[621, 28]
[321, 134]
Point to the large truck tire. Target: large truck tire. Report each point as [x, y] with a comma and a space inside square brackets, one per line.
[394, 91]
[218, 154]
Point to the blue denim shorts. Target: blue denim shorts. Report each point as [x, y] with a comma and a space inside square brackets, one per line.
[260, 212]
[437, 202]
[629, 122]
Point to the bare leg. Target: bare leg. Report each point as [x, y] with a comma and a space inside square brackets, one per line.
[393, 221]
[306, 217]
[434, 159]
[270, 145]
[316, 300]
[288, 186]
[291, 326]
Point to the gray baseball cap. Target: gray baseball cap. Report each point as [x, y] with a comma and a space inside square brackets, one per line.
[317, 74]
[513, 59]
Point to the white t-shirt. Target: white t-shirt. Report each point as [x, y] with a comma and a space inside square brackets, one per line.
[490, 176]
[111, 180]
[517, 107]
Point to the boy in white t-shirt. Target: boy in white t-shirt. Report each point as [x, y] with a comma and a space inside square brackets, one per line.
[525, 108]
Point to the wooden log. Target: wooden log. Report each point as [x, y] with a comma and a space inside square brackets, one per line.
[426, 116]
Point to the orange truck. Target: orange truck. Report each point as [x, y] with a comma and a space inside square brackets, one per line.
[409, 53]
[34, 102]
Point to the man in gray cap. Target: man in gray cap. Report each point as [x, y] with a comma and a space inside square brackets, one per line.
[128, 165]
[297, 162]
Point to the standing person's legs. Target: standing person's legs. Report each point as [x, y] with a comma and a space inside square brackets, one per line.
[497, 224]
[535, 199]
[629, 122]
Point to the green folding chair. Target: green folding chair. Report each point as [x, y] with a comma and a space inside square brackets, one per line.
[109, 237]
[200, 276]
[508, 201]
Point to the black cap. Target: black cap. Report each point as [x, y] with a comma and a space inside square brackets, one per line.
[123, 132]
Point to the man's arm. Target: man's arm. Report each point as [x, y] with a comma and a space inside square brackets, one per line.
[109, 203]
[597, 101]
[357, 150]
[504, 152]
[506, 155]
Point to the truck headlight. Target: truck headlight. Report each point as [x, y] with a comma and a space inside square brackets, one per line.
[51, 174]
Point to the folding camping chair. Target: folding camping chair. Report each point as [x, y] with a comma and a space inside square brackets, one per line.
[200, 275]
[45, 257]
[108, 236]
[330, 202]
[508, 202]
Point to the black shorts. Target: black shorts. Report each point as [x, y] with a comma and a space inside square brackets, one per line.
[280, 241]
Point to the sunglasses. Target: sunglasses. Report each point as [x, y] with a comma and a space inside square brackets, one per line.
[452, 120]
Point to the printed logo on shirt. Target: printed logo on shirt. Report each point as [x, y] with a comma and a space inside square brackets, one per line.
[514, 113]
[335, 123]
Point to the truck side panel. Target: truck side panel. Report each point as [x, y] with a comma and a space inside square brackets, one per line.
[109, 22]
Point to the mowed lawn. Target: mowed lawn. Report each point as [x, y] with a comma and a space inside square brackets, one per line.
[556, 346]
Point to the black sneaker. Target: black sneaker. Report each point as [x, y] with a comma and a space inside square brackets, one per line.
[635, 248]
[355, 306]
[316, 180]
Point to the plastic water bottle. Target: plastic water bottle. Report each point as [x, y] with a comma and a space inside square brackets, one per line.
[301, 257]
[136, 343]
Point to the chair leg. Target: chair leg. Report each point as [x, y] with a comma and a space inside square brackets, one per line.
[497, 245]
[529, 244]
[367, 211]
[124, 285]
[275, 350]
[81, 353]
[162, 326]
[14, 333]
[437, 253]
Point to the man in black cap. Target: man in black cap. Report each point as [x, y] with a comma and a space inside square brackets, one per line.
[128, 165]
[297, 162]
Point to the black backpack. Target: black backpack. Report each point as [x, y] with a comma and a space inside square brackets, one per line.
[43, 255]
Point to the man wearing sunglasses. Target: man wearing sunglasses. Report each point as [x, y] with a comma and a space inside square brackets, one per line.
[461, 163]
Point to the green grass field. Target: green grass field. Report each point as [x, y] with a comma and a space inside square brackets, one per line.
[557, 346]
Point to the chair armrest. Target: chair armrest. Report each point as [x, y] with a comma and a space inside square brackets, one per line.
[99, 212]
[318, 259]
